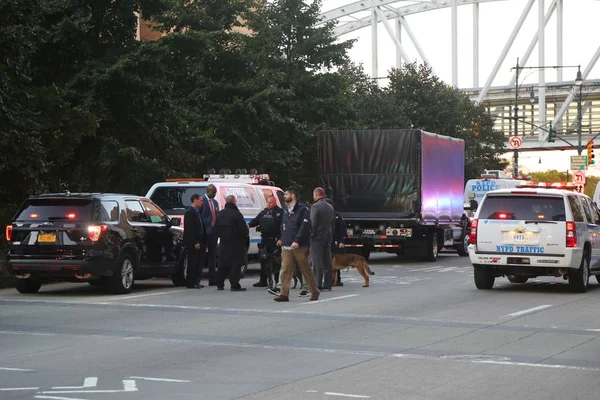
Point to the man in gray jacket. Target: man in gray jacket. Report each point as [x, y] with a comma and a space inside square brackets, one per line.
[322, 217]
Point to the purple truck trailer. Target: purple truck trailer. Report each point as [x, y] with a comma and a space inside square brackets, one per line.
[399, 191]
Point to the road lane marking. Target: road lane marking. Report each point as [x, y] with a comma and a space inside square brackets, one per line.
[159, 379]
[87, 383]
[17, 389]
[498, 360]
[356, 396]
[57, 398]
[15, 369]
[145, 295]
[330, 299]
[529, 310]
[128, 386]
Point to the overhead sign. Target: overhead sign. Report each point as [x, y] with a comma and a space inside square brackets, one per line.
[515, 142]
[579, 163]
[578, 177]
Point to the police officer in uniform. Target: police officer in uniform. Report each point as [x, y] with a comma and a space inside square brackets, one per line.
[268, 223]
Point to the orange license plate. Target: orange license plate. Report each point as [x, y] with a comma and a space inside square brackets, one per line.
[47, 238]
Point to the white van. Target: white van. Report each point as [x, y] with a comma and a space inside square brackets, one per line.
[174, 195]
[475, 189]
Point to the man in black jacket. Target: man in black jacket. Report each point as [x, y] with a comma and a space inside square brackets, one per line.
[268, 223]
[194, 238]
[233, 235]
[322, 218]
[295, 240]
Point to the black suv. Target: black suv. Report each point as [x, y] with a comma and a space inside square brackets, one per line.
[103, 239]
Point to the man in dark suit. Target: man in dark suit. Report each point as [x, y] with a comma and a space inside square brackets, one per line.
[209, 210]
[233, 232]
[194, 238]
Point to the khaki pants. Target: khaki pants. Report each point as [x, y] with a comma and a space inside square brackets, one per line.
[289, 259]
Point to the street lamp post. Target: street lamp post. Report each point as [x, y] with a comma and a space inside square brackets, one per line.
[578, 82]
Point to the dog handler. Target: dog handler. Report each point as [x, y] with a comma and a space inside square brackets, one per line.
[295, 238]
[268, 223]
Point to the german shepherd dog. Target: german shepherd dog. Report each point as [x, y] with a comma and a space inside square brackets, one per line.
[347, 260]
[272, 264]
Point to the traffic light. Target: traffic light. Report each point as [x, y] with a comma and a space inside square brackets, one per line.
[551, 135]
[476, 128]
[590, 153]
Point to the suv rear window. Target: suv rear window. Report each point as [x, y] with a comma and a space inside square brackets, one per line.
[56, 210]
[530, 208]
[175, 198]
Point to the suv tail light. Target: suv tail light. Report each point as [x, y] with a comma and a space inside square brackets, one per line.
[94, 231]
[571, 235]
[8, 232]
[473, 233]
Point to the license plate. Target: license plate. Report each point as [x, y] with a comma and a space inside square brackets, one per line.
[513, 237]
[47, 238]
[368, 232]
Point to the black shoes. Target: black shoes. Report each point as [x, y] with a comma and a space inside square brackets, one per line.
[196, 286]
[238, 289]
[261, 284]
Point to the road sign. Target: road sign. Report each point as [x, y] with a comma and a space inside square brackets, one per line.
[578, 163]
[579, 188]
[515, 142]
[578, 177]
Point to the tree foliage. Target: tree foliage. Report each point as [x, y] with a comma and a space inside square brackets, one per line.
[84, 106]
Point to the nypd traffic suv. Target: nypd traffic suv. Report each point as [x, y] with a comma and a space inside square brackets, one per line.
[542, 230]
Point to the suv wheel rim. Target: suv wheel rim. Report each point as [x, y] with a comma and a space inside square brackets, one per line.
[127, 273]
[466, 243]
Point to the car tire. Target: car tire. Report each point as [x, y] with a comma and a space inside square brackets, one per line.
[28, 285]
[122, 280]
[432, 247]
[484, 278]
[180, 276]
[463, 248]
[580, 278]
[517, 279]
[598, 278]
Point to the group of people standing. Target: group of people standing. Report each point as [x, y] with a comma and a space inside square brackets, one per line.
[292, 238]
[203, 226]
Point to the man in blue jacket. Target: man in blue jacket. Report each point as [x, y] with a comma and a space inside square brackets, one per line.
[210, 208]
[295, 241]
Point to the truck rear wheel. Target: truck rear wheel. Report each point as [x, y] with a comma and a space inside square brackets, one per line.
[484, 278]
[463, 248]
[432, 247]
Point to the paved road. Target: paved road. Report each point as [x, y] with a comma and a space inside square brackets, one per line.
[421, 331]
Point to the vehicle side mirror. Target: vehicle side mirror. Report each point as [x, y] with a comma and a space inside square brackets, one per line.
[175, 221]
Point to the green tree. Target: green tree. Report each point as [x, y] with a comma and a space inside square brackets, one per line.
[294, 89]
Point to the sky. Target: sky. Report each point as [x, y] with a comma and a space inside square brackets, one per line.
[581, 38]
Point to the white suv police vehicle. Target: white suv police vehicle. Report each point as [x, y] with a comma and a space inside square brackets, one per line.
[535, 231]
